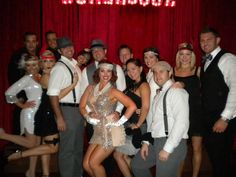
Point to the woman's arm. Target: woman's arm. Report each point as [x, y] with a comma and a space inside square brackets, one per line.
[145, 98]
[126, 101]
[66, 90]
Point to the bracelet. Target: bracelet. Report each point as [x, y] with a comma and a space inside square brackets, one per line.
[145, 142]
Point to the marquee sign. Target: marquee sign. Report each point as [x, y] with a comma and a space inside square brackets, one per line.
[156, 3]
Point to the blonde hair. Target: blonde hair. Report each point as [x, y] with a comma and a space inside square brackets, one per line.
[26, 58]
[192, 63]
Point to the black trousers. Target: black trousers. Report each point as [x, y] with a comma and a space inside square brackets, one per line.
[220, 149]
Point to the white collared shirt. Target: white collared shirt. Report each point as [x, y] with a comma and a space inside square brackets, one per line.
[60, 78]
[153, 88]
[177, 107]
[227, 65]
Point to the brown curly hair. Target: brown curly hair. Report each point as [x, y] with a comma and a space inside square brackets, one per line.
[96, 78]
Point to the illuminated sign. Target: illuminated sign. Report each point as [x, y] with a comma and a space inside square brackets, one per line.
[166, 3]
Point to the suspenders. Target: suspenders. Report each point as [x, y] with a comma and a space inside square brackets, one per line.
[73, 91]
[165, 114]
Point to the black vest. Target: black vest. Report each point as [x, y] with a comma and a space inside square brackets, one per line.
[214, 89]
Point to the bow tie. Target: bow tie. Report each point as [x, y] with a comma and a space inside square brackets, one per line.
[158, 90]
[207, 57]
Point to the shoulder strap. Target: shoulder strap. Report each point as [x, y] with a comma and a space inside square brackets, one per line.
[72, 77]
[165, 113]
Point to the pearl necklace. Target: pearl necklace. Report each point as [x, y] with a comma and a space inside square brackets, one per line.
[97, 93]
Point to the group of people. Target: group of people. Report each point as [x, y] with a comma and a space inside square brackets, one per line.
[138, 119]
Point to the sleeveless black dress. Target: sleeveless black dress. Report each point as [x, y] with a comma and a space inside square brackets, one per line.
[137, 100]
[192, 86]
[45, 122]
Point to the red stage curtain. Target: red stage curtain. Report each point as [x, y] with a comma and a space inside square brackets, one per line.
[136, 26]
[139, 27]
[16, 17]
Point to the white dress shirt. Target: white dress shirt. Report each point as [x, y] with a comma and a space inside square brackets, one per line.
[120, 82]
[60, 78]
[227, 65]
[153, 88]
[177, 107]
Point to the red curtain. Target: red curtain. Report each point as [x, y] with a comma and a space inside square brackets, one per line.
[16, 17]
[139, 27]
[136, 26]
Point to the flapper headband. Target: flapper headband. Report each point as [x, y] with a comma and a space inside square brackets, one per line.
[106, 66]
[151, 52]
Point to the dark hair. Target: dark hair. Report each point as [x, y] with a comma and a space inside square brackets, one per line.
[134, 86]
[209, 29]
[26, 34]
[85, 53]
[49, 32]
[96, 78]
[152, 49]
[124, 46]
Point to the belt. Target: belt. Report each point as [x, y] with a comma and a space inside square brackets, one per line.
[70, 104]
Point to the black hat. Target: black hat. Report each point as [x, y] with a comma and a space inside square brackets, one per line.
[64, 42]
[97, 43]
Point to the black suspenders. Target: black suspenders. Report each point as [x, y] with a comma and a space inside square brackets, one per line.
[72, 77]
[165, 114]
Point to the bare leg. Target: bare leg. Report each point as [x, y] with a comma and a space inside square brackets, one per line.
[32, 167]
[32, 160]
[86, 160]
[97, 157]
[46, 164]
[38, 150]
[197, 154]
[181, 169]
[123, 162]
[46, 158]
[28, 141]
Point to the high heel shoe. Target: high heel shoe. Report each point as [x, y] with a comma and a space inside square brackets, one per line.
[15, 155]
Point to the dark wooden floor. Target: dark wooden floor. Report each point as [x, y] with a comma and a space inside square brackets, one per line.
[17, 168]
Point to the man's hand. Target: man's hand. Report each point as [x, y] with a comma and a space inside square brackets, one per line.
[163, 155]
[61, 124]
[144, 151]
[220, 126]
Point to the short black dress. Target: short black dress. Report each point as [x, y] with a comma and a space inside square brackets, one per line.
[45, 122]
[129, 148]
[192, 86]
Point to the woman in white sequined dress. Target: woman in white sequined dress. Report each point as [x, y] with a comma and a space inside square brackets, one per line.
[30, 84]
[101, 99]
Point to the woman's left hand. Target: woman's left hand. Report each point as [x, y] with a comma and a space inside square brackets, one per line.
[133, 126]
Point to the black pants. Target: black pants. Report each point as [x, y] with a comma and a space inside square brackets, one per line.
[220, 149]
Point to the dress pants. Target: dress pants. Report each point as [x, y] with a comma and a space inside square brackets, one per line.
[71, 143]
[219, 147]
[169, 168]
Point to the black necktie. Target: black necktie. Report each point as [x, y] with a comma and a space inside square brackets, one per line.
[207, 57]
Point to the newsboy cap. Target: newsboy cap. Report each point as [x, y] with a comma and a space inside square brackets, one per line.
[64, 42]
[97, 43]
